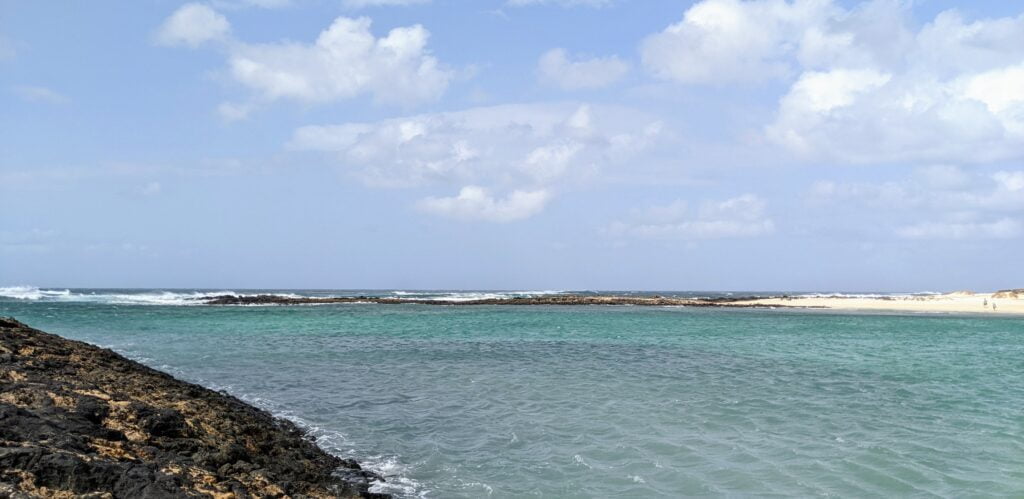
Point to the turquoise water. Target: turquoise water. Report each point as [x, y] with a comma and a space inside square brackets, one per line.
[606, 401]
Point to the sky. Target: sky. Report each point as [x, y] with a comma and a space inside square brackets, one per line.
[513, 144]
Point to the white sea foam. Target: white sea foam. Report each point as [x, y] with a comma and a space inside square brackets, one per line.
[147, 297]
[334, 442]
[194, 297]
[32, 293]
[470, 295]
[396, 475]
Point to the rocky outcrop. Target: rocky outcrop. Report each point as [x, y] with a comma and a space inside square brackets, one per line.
[78, 420]
[526, 300]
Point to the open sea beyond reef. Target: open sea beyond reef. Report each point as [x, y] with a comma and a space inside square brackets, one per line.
[597, 401]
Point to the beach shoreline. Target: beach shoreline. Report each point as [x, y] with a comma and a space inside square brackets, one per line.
[1005, 302]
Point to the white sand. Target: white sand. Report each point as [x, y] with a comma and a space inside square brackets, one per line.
[958, 302]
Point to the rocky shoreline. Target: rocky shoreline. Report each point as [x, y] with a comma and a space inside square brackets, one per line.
[77, 420]
[648, 301]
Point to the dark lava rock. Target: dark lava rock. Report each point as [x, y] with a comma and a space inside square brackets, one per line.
[567, 299]
[81, 421]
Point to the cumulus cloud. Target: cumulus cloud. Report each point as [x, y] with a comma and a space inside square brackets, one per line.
[192, 25]
[345, 61]
[742, 216]
[33, 93]
[885, 117]
[732, 40]
[865, 85]
[555, 68]
[743, 41]
[517, 145]
[955, 95]
[476, 203]
[527, 149]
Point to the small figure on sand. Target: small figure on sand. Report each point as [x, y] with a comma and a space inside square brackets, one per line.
[993, 305]
[984, 303]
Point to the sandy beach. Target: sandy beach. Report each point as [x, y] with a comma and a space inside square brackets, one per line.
[1000, 302]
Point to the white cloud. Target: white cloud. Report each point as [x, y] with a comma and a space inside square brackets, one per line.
[730, 40]
[1001, 90]
[193, 24]
[359, 4]
[1011, 182]
[345, 61]
[817, 92]
[936, 202]
[525, 149]
[956, 95]
[32, 93]
[734, 41]
[555, 68]
[904, 117]
[742, 216]
[549, 162]
[1004, 228]
[950, 45]
[935, 189]
[865, 85]
[513, 145]
[476, 203]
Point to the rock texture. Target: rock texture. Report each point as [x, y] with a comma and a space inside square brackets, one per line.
[535, 300]
[81, 421]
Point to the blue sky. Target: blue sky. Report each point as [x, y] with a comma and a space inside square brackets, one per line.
[513, 144]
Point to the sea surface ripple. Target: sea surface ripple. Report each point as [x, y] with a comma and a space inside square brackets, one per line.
[608, 401]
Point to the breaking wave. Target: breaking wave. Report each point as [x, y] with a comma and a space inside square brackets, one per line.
[196, 296]
[111, 297]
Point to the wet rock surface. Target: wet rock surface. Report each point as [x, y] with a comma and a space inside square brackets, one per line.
[81, 421]
[535, 300]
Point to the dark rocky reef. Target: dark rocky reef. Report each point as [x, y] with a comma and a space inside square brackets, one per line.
[81, 421]
[533, 300]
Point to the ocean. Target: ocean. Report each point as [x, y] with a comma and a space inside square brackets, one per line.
[596, 401]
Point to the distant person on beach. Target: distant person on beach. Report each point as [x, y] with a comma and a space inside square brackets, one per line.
[984, 303]
[993, 305]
